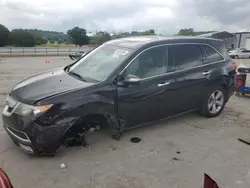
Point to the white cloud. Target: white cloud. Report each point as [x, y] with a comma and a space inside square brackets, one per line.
[165, 16]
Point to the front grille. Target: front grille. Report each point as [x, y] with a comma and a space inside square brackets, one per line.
[18, 133]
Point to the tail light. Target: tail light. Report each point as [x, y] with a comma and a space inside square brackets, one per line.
[234, 66]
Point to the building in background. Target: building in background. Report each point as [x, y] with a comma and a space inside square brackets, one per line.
[243, 40]
[229, 39]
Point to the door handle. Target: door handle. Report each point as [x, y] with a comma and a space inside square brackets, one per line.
[206, 73]
[164, 84]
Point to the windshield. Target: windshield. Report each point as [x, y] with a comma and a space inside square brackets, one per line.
[100, 63]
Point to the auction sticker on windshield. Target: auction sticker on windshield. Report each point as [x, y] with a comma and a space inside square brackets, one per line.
[121, 52]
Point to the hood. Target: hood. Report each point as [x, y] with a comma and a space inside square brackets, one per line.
[46, 84]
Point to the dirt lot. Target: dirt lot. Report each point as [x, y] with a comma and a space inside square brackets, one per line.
[173, 153]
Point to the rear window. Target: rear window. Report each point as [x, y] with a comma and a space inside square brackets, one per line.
[186, 56]
[211, 55]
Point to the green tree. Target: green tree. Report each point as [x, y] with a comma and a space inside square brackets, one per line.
[40, 40]
[151, 31]
[52, 42]
[4, 35]
[102, 37]
[50, 35]
[78, 36]
[44, 40]
[187, 32]
[134, 33]
[22, 38]
[148, 32]
[60, 41]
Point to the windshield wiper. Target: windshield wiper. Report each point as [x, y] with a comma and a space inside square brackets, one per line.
[77, 75]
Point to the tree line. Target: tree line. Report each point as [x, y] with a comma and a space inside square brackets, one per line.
[76, 35]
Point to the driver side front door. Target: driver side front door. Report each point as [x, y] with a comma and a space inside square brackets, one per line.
[146, 102]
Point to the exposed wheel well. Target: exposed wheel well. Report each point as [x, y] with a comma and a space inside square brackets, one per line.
[84, 123]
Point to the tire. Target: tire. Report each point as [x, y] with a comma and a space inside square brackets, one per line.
[213, 106]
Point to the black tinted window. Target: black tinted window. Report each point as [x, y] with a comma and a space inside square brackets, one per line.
[211, 55]
[170, 56]
[187, 56]
[149, 63]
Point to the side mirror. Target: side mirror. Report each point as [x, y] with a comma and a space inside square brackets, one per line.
[132, 80]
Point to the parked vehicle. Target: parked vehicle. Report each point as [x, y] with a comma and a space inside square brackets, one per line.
[76, 55]
[239, 53]
[243, 54]
[121, 84]
[237, 49]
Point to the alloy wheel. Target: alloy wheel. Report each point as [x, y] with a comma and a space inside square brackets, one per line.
[215, 102]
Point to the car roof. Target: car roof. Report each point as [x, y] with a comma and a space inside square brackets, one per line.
[146, 41]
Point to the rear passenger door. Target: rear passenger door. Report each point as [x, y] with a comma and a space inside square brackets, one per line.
[189, 75]
[212, 65]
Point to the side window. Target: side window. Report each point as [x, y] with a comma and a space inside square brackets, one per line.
[211, 55]
[170, 57]
[148, 64]
[187, 56]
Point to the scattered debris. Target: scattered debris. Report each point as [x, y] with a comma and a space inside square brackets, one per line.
[63, 166]
[135, 140]
[113, 148]
[175, 159]
[244, 141]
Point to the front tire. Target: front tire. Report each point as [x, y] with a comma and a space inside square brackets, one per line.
[214, 103]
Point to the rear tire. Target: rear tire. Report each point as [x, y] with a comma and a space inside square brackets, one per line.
[214, 103]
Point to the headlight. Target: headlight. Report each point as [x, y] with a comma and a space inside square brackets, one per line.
[31, 111]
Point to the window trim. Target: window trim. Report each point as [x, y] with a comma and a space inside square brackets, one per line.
[169, 73]
[165, 61]
[202, 58]
[205, 56]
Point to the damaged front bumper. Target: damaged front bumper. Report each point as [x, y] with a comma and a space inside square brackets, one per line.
[31, 137]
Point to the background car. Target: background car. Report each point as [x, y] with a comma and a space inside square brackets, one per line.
[240, 53]
[76, 55]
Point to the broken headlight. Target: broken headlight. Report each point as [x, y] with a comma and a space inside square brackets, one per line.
[31, 111]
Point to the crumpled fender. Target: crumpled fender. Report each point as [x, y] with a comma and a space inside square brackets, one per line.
[89, 105]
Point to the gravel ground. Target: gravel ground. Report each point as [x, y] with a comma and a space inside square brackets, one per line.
[174, 153]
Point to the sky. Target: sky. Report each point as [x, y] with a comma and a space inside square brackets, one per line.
[164, 16]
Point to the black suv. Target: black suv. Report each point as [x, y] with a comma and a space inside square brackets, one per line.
[121, 84]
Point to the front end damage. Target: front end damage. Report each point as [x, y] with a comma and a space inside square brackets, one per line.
[45, 140]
